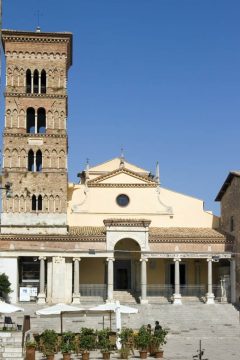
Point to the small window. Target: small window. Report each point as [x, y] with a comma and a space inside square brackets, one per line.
[122, 200]
[41, 121]
[39, 202]
[30, 160]
[43, 82]
[35, 82]
[232, 223]
[30, 121]
[39, 161]
[34, 203]
[28, 81]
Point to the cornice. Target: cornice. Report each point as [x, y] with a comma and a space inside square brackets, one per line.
[51, 238]
[97, 182]
[7, 134]
[127, 222]
[122, 185]
[190, 240]
[25, 95]
[38, 37]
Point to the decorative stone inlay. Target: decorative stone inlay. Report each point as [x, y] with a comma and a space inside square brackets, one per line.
[38, 142]
[127, 222]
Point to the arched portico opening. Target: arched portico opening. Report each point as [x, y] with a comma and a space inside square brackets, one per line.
[127, 254]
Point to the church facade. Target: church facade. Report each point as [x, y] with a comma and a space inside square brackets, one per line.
[117, 234]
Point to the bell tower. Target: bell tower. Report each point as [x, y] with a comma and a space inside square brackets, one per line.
[35, 132]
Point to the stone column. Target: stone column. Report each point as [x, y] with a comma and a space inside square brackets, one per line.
[39, 83]
[143, 299]
[76, 293]
[177, 298]
[32, 84]
[233, 280]
[42, 295]
[210, 295]
[110, 280]
[36, 121]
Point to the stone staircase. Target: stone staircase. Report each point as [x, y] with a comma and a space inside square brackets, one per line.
[11, 345]
[125, 297]
[216, 325]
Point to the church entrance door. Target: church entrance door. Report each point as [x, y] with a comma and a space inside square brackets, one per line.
[122, 274]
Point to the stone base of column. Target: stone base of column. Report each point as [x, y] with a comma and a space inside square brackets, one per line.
[210, 298]
[76, 299]
[143, 301]
[109, 301]
[223, 299]
[41, 298]
[177, 299]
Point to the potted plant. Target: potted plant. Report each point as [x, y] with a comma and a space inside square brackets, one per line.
[67, 344]
[49, 340]
[126, 339]
[143, 339]
[104, 343]
[30, 349]
[124, 352]
[87, 342]
[157, 340]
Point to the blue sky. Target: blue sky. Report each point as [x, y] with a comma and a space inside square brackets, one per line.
[160, 78]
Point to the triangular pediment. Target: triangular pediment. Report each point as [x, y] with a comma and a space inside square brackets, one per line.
[114, 164]
[122, 177]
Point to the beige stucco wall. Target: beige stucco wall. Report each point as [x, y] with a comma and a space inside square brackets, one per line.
[92, 271]
[90, 206]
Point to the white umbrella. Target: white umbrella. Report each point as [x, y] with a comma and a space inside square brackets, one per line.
[9, 308]
[58, 309]
[114, 307]
[118, 309]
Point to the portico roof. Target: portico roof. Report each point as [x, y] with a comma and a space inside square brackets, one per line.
[98, 234]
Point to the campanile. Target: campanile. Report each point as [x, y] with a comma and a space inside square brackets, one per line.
[35, 132]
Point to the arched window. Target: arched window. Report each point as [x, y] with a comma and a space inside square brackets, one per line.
[28, 81]
[39, 203]
[30, 160]
[41, 121]
[39, 161]
[34, 203]
[43, 82]
[35, 82]
[30, 120]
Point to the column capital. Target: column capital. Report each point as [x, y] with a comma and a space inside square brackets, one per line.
[42, 258]
[177, 259]
[110, 259]
[144, 259]
[77, 259]
[209, 259]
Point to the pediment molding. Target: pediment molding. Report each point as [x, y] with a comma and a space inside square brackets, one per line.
[98, 182]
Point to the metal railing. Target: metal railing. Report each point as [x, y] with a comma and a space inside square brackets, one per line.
[93, 290]
[167, 290]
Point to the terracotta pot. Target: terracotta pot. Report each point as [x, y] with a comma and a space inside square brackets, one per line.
[50, 357]
[30, 353]
[159, 354]
[143, 354]
[66, 356]
[85, 355]
[106, 355]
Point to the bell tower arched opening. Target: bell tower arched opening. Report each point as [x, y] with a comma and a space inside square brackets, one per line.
[127, 254]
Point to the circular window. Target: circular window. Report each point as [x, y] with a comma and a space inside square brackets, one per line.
[122, 200]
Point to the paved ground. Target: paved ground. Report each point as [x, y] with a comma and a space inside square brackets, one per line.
[217, 326]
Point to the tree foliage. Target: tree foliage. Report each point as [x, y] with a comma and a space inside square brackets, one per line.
[5, 285]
